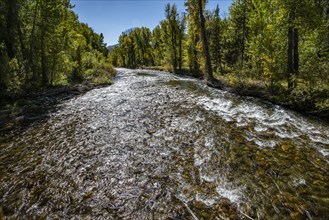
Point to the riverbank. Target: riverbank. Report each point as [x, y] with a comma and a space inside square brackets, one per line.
[170, 144]
[301, 101]
[26, 108]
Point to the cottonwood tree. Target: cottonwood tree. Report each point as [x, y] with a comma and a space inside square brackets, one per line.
[42, 43]
[170, 33]
[196, 11]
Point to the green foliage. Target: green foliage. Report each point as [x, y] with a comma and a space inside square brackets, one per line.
[97, 68]
[194, 50]
[157, 46]
[171, 36]
[215, 26]
[163, 46]
[42, 43]
[255, 44]
[134, 49]
[280, 46]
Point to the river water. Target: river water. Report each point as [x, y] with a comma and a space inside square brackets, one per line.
[158, 146]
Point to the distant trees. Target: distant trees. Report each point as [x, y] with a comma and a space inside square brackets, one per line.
[173, 36]
[42, 43]
[164, 46]
[142, 45]
[134, 49]
[157, 46]
[280, 43]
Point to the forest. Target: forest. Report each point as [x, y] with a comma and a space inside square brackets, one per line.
[43, 44]
[214, 115]
[276, 49]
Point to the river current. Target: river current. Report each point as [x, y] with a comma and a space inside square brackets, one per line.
[158, 146]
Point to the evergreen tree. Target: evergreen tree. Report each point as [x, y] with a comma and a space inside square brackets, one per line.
[215, 40]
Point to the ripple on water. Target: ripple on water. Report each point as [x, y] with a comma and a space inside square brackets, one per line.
[273, 119]
[153, 143]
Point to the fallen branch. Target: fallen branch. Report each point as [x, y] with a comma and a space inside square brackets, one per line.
[190, 211]
[245, 215]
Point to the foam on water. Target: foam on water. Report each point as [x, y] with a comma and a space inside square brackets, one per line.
[234, 195]
[128, 151]
[270, 120]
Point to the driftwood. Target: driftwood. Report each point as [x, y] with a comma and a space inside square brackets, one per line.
[190, 211]
[245, 215]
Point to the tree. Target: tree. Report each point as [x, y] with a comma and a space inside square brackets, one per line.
[142, 43]
[42, 43]
[181, 39]
[196, 10]
[215, 40]
[305, 15]
[193, 39]
[170, 28]
[268, 41]
[12, 22]
[238, 22]
[157, 46]
[126, 43]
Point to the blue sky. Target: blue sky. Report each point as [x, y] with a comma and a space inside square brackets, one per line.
[112, 17]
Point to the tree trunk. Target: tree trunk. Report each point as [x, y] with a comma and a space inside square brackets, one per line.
[174, 52]
[243, 41]
[180, 62]
[296, 52]
[52, 76]
[31, 63]
[25, 55]
[44, 27]
[21, 41]
[11, 20]
[290, 57]
[43, 60]
[205, 46]
[220, 60]
[290, 51]
[196, 68]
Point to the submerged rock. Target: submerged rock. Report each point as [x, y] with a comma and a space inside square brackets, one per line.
[153, 143]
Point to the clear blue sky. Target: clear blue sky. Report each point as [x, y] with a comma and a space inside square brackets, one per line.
[112, 17]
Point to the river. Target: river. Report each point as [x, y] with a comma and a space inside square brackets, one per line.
[158, 146]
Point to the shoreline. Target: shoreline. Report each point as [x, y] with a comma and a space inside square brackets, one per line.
[263, 93]
[25, 109]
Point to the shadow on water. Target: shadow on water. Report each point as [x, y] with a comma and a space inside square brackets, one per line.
[145, 74]
[21, 113]
[164, 147]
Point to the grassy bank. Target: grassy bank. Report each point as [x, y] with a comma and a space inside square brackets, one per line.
[303, 98]
[27, 107]
[91, 78]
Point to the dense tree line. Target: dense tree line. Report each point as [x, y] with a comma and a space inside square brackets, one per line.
[42, 43]
[281, 44]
